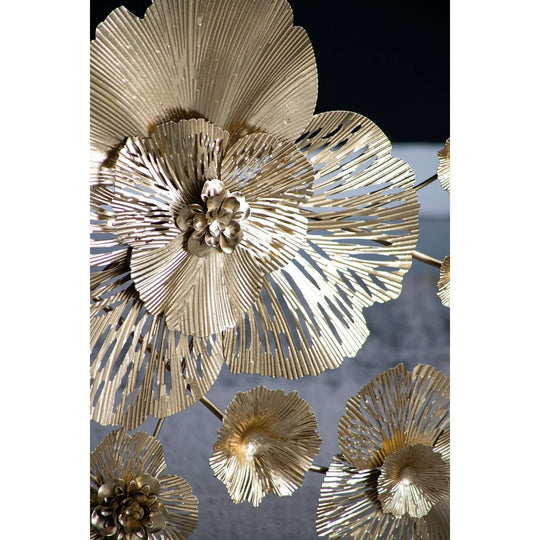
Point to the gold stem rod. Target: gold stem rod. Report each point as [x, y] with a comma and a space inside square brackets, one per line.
[212, 408]
[426, 182]
[321, 469]
[426, 259]
[158, 426]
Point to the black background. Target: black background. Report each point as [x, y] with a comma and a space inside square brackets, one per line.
[388, 60]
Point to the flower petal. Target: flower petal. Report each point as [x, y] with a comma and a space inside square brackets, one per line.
[394, 410]
[140, 367]
[443, 285]
[182, 507]
[443, 171]
[240, 64]
[275, 179]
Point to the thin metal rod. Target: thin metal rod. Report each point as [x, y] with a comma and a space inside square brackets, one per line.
[426, 259]
[158, 426]
[212, 408]
[426, 182]
[319, 468]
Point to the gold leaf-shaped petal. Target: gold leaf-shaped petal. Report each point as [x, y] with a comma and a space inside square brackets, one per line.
[275, 179]
[266, 444]
[139, 366]
[443, 285]
[362, 229]
[413, 480]
[443, 171]
[394, 410]
[240, 64]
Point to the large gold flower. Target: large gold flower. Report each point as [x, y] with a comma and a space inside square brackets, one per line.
[228, 223]
[130, 498]
[443, 172]
[392, 479]
[266, 444]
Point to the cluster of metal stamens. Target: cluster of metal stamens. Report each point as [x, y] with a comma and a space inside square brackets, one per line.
[215, 223]
[129, 510]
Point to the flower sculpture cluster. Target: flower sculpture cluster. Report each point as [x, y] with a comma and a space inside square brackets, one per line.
[266, 444]
[231, 224]
[130, 498]
[228, 222]
[392, 478]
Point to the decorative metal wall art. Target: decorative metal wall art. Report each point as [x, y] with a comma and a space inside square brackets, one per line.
[131, 498]
[228, 223]
[392, 478]
[266, 444]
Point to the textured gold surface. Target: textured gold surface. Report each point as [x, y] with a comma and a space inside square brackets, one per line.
[443, 284]
[272, 270]
[392, 478]
[443, 171]
[130, 498]
[266, 444]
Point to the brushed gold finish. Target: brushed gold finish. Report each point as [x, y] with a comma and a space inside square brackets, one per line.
[131, 498]
[443, 284]
[443, 171]
[266, 444]
[227, 222]
[392, 478]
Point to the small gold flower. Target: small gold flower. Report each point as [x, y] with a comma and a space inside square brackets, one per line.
[266, 444]
[129, 497]
[392, 479]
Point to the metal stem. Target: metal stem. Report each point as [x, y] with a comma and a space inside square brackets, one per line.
[426, 182]
[212, 408]
[158, 426]
[321, 469]
[426, 259]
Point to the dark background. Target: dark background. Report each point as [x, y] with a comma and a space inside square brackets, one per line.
[388, 60]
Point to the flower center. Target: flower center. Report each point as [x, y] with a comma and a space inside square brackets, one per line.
[216, 223]
[129, 508]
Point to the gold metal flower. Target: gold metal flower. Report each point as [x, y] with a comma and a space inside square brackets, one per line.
[130, 498]
[443, 171]
[228, 223]
[392, 479]
[444, 282]
[266, 444]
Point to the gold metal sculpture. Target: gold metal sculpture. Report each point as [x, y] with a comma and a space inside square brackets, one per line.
[228, 223]
[443, 173]
[391, 479]
[266, 444]
[130, 498]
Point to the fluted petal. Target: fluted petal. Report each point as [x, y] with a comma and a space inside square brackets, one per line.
[275, 179]
[182, 507]
[266, 444]
[140, 367]
[443, 285]
[443, 171]
[240, 64]
[120, 455]
[394, 410]
[362, 229]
